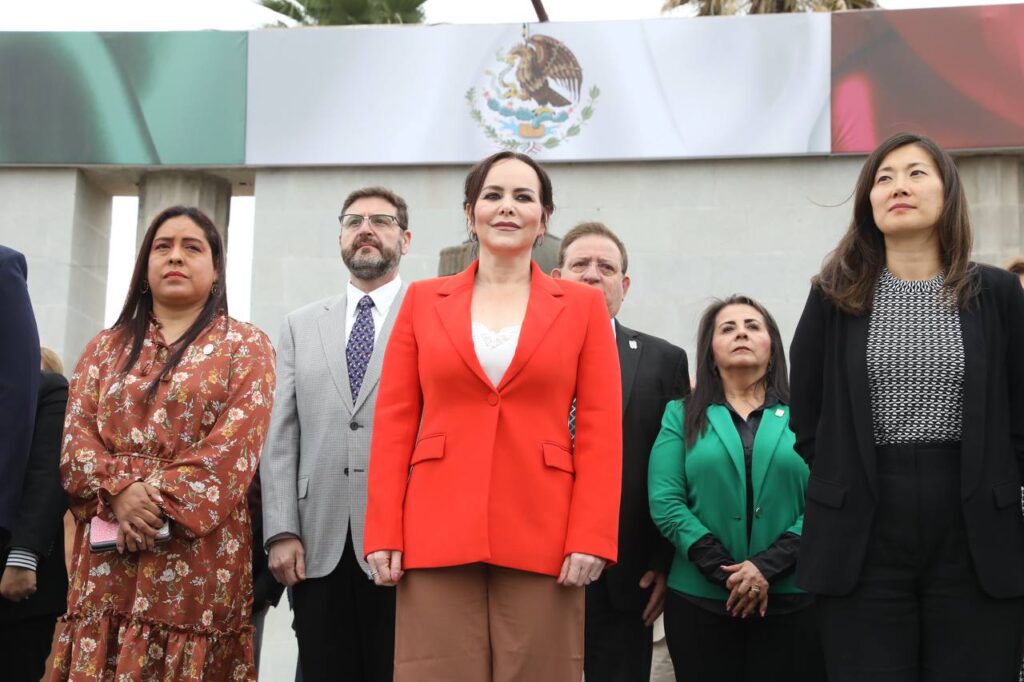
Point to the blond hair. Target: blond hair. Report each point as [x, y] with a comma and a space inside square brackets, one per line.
[1015, 265]
[50, 360]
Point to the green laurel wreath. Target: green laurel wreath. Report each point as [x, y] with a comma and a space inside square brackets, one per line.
[525, 147]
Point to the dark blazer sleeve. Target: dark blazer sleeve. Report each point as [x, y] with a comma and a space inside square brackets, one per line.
[19, 381]
[682, 381]
[806, 358]
[43, 502]
[1015, 362]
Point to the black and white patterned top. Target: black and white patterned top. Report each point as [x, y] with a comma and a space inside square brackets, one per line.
[915, 360]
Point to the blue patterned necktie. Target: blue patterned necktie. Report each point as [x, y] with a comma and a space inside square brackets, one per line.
[360, 345]
[572, 422]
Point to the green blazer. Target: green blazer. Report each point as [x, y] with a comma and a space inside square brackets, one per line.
[702, 490]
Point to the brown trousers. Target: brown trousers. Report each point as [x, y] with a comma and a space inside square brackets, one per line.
[482, 623]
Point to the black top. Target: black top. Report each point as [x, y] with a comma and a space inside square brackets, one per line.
[775, 562]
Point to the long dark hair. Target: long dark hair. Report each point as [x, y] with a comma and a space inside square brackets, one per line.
[850, 273]
[709, 388]
[133, 322]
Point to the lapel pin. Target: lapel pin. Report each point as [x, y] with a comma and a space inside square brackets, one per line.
[632, 344]
[207, 349]
[779, 412]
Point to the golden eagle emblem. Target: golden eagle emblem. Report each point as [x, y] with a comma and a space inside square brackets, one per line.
[533, 98]
[542, 59]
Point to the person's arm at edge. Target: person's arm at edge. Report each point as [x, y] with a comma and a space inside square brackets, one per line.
[667, 484]
[661, 558]
[19, 377]
[806, 356]
[395, 426]
[594, 510]
[43, 501]
[279, 463]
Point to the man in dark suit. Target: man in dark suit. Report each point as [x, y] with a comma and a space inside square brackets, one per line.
[19, 382]
[34, 585]
[624, 603]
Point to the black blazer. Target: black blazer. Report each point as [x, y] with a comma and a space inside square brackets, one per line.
[39, 526]
[19, 382]
[831, 416]
[653, 373]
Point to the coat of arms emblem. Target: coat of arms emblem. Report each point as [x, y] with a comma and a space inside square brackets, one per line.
[533, 98]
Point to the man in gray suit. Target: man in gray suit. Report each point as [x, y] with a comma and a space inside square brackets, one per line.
[314, 463]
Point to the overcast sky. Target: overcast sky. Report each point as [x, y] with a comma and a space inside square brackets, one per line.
[154, 15]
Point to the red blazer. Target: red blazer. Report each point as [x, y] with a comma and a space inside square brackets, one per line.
[462, 471]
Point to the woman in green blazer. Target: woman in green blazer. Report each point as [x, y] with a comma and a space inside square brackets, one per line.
[727, 489]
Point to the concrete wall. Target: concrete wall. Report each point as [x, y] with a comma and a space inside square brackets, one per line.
[60, 220]
[995, 192]
[694, 229]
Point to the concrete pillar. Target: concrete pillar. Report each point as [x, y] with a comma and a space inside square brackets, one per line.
[60, 220]
[995, 193]
[160, 189]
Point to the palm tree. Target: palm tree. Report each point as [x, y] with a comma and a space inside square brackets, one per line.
[723, 7]
[345, 12]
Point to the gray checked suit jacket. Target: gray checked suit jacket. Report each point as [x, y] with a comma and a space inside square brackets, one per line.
[313, 469]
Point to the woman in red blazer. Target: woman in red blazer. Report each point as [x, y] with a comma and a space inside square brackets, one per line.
[482, 508]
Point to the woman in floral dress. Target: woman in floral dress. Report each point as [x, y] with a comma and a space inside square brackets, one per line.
[166, 419]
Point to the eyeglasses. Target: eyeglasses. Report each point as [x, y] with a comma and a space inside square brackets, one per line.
[378, 221]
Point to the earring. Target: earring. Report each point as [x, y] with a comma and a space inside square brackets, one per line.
[473, 237]
[145, 286]
[538, 241]
[215, 289]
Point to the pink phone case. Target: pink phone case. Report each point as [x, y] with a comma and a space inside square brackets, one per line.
[103, 534]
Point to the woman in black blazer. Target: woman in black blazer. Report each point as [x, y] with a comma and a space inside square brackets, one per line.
[34, 584]
[908, 403]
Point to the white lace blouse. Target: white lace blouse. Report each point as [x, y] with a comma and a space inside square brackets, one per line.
[494, 349]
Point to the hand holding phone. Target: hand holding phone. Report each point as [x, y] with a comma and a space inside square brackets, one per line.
[136, 505]
[103, 534]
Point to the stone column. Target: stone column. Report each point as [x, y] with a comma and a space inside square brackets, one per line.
[60, 220]
[160, 189]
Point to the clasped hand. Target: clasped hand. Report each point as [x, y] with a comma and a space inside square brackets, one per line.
[139, 517]
[748, 590]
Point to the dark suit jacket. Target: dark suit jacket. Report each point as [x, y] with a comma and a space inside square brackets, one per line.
[19, 381]
[653, 373]
[39, 526]
[831, 416]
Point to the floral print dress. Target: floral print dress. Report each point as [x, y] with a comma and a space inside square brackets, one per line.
[180, 612]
